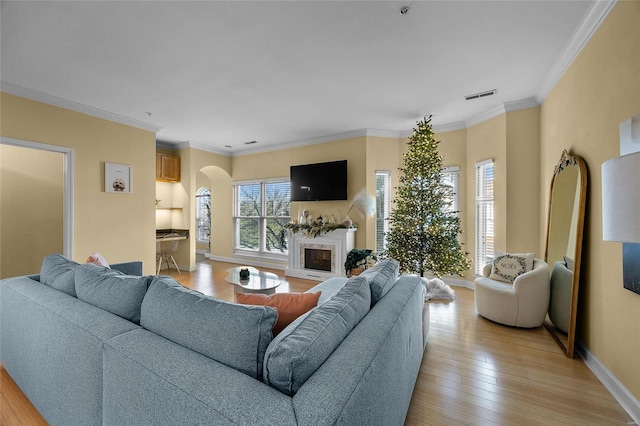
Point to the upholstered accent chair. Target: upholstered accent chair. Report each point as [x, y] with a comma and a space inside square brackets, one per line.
[523, 303]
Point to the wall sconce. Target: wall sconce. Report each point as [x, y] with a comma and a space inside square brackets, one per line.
[621, 213]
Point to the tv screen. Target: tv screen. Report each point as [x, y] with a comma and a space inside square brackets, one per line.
[319, 182]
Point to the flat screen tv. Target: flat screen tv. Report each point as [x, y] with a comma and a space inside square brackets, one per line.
[319, 181]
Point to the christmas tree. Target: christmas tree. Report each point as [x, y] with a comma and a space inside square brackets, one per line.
[424, 228]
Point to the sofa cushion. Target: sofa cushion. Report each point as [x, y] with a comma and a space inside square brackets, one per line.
[381, 278]
[111, 290]
[235, 335]
[507, 266]
[289, 305]
[58, 272]
[301, 348]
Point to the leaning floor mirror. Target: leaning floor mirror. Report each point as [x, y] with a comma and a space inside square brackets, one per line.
[563, 249]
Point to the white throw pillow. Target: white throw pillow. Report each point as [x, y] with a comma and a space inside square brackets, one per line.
[507, 266]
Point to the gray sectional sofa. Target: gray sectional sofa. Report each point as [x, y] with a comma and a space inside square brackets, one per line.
[92, 345]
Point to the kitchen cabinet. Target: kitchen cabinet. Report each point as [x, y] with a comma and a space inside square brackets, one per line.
[167, 168]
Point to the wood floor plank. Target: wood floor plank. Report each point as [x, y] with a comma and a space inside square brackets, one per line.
[474, 371]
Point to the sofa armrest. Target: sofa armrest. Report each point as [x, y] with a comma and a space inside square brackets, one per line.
[533, 280]
[129, 268]
[486, 270]
[533, 291]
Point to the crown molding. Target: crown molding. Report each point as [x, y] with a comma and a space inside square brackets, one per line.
[587, 27]
[448, 127]
[501, 109]
[34, 95]
[322, 139]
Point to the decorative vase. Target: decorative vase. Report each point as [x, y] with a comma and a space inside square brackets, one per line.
[347, 222]
[244, 273]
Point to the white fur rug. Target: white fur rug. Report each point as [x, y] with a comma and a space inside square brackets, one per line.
[438, 290]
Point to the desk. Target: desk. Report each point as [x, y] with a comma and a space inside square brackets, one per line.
[161, 239]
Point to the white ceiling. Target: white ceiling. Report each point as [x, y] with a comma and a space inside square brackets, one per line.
[216, 73]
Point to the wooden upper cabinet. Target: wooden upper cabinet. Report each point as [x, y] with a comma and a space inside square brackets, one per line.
[167, 168]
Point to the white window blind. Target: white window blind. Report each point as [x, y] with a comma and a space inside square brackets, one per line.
[484, 214]
[383, 208]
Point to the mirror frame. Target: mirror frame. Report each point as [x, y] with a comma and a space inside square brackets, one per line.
[569, 160]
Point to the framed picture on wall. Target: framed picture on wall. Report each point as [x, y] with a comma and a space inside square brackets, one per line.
[117, 178]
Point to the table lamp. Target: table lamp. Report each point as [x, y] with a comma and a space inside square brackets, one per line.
[621, 212]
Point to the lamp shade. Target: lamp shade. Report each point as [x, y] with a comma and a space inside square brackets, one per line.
[621, 199]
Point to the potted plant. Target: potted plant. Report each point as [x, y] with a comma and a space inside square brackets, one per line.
[358, 260]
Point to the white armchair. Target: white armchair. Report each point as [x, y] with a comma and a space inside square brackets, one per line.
[522, 304]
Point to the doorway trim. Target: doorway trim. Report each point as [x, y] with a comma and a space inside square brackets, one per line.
[67, 205]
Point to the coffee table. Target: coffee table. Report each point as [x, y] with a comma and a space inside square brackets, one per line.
[258, 281]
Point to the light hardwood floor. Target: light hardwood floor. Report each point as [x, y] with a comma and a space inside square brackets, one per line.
[474, 372]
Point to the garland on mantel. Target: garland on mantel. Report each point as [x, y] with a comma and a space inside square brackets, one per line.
[310, 231]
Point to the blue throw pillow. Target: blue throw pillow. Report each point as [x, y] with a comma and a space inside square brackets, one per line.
[58, 272]
[111, 290]
[232, 334]
[303, 346]
[381, 277]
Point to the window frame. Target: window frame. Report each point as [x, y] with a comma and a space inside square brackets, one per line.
[485, 215]
[262, 218]
[386, 202]
[201, 194]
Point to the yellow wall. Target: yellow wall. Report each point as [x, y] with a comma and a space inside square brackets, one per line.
[32, 194]
[453, 148]
[119, 226]
[600, 90]
[523, 181]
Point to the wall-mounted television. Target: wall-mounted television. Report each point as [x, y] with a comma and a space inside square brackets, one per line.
[319, 181]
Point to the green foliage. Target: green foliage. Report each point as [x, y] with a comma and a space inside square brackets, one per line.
[424, 229]
[359, 257]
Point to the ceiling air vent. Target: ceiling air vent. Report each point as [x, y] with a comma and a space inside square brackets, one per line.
[481, 94]
[250, 142]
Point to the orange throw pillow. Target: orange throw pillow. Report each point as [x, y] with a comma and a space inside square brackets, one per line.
[289, 305]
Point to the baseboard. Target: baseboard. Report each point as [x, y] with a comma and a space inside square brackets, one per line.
[458, 282]
[619, 392]
[243, 261]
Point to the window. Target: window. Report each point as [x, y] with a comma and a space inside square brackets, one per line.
[203, 215]
[484, 214]
[261, 210]
[451, 177]
[383, 208]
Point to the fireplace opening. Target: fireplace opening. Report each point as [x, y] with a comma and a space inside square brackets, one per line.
[317, 259]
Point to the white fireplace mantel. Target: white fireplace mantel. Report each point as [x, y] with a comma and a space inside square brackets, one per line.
[339, 241]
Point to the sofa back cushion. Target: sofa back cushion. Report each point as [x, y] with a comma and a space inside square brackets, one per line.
[58, 272]
[111, 290]
[381, 278]
[232, 334]
[301, 348]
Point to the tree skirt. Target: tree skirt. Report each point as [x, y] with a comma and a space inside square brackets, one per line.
[438, 290]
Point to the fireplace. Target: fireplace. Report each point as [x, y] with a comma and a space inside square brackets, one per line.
[321, 257]
[318, 259]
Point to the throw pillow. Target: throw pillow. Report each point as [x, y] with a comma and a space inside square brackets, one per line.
[111, 290]
[232, 334]
[507, 266]
[289, 305]
[303, 346]
[381, 277]
[59, 272]
[97, 259]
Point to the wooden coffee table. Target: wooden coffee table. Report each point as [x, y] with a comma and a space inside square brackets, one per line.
[258, 281]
